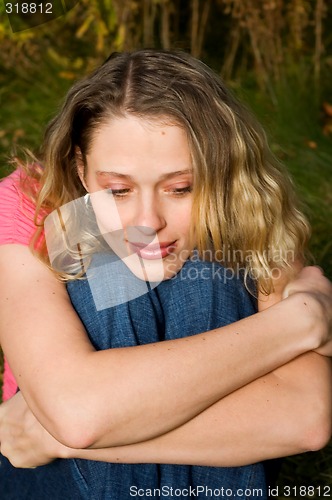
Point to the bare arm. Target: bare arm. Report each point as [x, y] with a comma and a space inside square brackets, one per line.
[285, 412]
[141, 392]
[277, 415]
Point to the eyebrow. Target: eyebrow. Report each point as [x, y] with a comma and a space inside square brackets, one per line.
[130, 177]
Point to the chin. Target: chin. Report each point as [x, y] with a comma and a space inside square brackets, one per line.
[147, 270]
[153, 271]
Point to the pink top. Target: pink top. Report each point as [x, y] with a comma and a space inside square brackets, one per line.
[16, 226]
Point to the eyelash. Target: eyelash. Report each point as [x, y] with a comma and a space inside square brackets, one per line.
[122, 193]
[181, 191]
[118, 193]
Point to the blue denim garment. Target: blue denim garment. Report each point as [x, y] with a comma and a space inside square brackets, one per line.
[201, 297]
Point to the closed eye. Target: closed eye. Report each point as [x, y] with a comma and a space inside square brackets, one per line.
[181, 191]
[118, 193]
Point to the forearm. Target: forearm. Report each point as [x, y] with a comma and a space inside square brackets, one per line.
[281, 414]
[159, 387]
[128, 395]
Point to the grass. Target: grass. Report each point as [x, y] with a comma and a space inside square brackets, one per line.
[296, 138]
[294, 124]
[26, 106]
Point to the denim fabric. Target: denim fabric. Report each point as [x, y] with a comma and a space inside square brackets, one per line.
[201, 297]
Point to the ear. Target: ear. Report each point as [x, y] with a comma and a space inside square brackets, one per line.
[80, 167]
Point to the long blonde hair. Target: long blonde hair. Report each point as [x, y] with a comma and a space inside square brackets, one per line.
[244, 206]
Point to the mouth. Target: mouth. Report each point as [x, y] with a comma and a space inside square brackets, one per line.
[155, 251]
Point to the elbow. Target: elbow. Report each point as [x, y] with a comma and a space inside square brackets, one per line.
[316, 431]
[318, 435]
[80, 423]
[314, 408]
[76, 436]
[74, 425]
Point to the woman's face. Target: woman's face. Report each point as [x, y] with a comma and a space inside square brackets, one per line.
[139, 175]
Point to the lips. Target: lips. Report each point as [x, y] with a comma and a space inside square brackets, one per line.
[155, 251]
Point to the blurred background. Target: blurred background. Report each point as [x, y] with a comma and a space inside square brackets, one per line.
[276, 55]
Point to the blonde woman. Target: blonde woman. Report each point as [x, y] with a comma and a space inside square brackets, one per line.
[188, 172]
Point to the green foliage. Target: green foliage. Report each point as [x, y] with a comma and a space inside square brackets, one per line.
[295, 125]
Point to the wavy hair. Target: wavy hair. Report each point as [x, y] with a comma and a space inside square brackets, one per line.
[244, 206]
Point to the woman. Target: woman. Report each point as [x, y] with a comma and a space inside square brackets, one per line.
[183, 127]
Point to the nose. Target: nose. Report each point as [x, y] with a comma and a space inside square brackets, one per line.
[149, 217]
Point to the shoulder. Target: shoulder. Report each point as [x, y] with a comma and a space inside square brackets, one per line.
[16, 211]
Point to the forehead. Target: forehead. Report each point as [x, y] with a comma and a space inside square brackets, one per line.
[137, 128]
[132, 142]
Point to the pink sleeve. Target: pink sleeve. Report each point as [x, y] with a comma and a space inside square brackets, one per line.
[9, 386]
[16, 226]
[16, 212]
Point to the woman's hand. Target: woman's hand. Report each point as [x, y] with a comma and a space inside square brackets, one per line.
[312, 283]
[23, 440]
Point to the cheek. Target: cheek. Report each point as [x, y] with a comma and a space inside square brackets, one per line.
[106, 212]
[126, 213]
[181, 218]
[179, 225]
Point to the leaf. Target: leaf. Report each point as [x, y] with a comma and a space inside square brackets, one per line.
[102, 32]
[327, 107]
[18, 133]
[67, 75]
[60, 60]
[312, 144]
[78, 63]
[85, 26]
